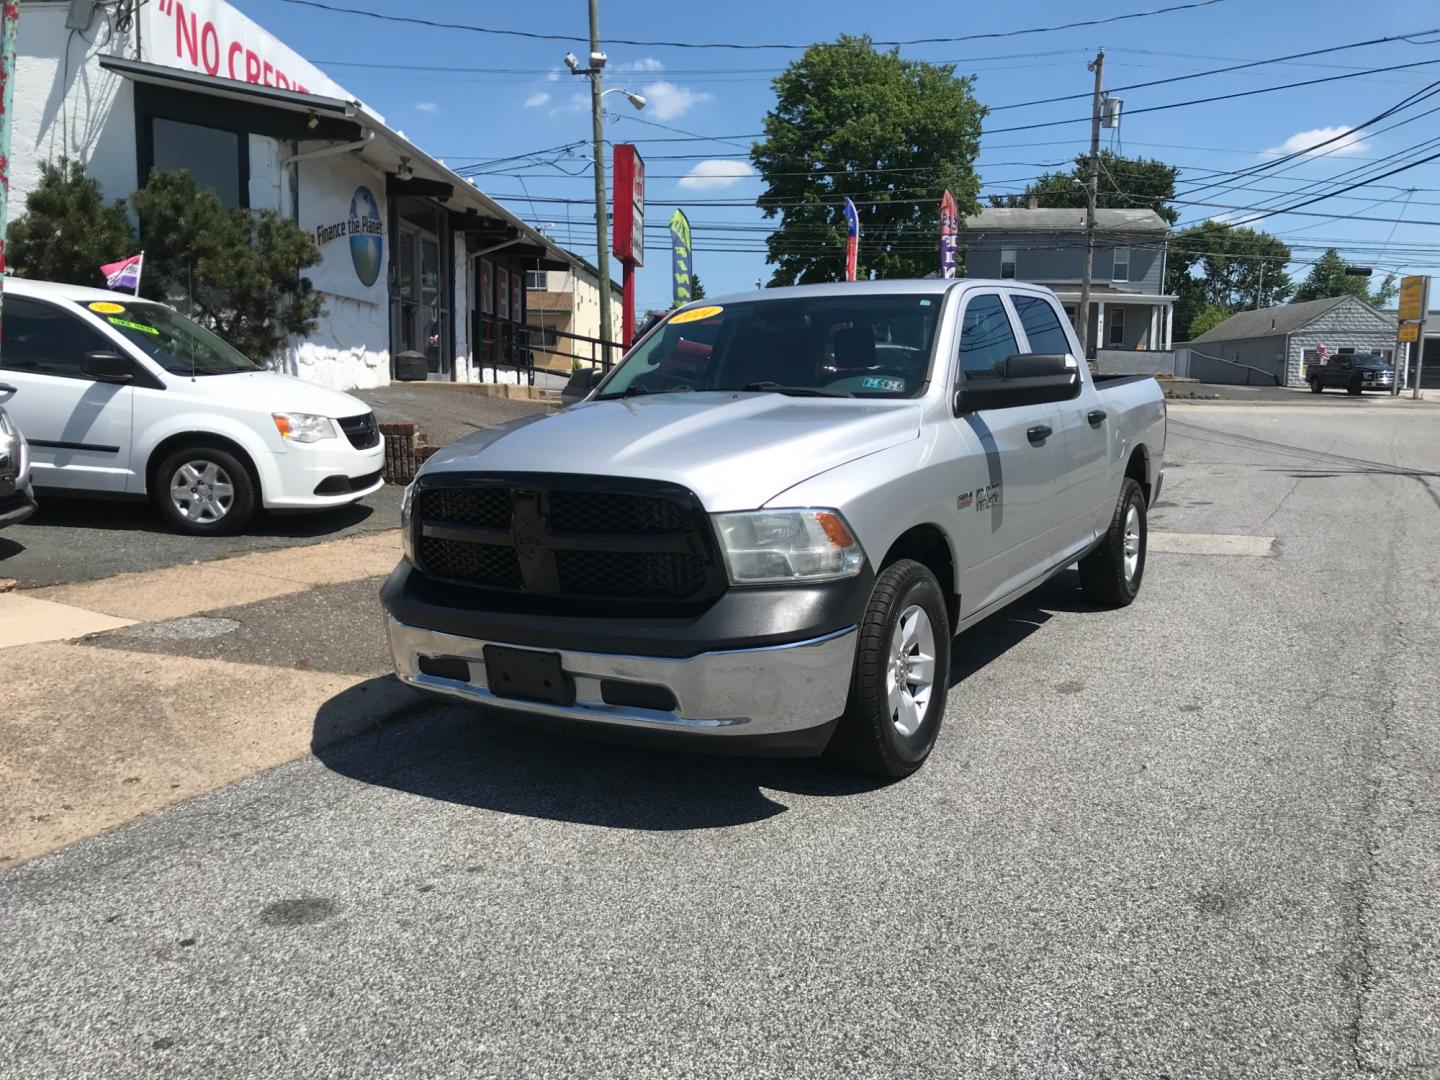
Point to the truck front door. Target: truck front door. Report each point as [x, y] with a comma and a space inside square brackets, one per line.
[1008, 469]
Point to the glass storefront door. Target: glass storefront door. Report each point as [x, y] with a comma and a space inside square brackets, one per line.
[422, 318]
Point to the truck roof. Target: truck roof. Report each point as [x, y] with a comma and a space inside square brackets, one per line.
[897, 286]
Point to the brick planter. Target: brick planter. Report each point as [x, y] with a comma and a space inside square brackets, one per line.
[405, 451]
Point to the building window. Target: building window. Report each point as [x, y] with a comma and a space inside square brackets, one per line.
[1346, 350]
[537, 280]
[214, 158]
[1115, 326]
[1122, 265]
[1007, 262]
[543, 337]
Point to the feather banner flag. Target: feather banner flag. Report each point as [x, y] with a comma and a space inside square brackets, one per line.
[852, 239]
[681, 258]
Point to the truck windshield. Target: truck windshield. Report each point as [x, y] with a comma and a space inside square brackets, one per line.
[179, 345]
[857, 346]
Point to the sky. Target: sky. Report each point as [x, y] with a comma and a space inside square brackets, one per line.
[472, 98]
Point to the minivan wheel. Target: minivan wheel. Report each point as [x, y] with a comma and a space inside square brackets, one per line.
[900, 678]
[1111, 574]
[204, 491]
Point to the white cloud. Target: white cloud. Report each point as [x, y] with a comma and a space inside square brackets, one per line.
[715, 173]
[427, 107]
[534, 101]
[1341, 147]
[647, 64]
[579, 102]
[554, 75]
[666, 101]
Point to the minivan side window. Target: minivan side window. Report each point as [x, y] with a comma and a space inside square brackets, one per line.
[986, 338]
[1042, 327]
[46, 340]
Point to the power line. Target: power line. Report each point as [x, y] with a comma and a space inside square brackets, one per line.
[532, 35]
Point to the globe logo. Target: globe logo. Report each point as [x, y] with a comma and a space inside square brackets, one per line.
[367, 245]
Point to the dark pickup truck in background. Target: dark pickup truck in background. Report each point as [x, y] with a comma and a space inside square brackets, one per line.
[1353, 373]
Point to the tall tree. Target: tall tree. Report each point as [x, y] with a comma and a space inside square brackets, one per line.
[889, 132]
[67, 229]
[697, 290]
[1214, 265]
[1123, 184]
[1328, 278]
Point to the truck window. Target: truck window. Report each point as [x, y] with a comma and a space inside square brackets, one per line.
[866, 346]
[986, 338]
[1042, 328]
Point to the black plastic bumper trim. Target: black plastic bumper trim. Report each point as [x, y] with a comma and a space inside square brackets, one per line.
[740, 618]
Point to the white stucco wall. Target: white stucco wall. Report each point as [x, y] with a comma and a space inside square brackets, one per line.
[350, 348]
[464, 302]
[66, 105]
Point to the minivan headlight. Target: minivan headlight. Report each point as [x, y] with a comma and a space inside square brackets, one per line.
[766, 547]
[303, 427]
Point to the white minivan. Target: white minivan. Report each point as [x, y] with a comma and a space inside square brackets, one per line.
[125, 397]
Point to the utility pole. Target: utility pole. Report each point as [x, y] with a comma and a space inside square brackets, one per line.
[602, 216]
[1082, 313]
[1260, 289]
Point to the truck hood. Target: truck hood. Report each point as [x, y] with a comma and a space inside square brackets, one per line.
[734, 450]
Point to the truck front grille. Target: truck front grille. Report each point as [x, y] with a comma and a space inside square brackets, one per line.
[538, 535]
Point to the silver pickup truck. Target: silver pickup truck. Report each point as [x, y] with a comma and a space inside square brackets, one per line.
[761, 531]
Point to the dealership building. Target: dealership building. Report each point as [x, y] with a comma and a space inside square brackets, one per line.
[415, 261]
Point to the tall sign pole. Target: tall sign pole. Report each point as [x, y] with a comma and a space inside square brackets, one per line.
[1414, 303]
[1082, 313]
[629, 241]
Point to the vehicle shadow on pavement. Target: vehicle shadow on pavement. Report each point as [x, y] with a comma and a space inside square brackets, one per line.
[474, 757]
[1008, 627]
[137, 516]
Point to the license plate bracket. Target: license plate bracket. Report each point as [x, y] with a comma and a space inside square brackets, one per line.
[527, 675]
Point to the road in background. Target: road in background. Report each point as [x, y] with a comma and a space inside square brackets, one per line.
[1196, 837]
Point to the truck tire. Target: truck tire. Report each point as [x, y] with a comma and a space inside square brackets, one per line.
[1111, 574]
[901, 676]
[1355, 387]
[204, 491]
[1316, 386]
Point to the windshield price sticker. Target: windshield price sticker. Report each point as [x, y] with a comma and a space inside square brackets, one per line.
[128, 325]
[876, 382]
[696, 314]
[105, 307]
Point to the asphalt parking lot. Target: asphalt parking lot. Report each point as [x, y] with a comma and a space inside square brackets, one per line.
[1197, 837]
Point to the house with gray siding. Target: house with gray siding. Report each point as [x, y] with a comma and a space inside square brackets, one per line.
[1129, 308]
[1280, 343]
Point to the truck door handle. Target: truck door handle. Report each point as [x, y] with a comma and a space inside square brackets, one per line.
[1096, 417]
[1038, 434]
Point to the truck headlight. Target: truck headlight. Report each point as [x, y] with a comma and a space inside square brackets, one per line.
[303, 427]
[766, 547]
[407, 513]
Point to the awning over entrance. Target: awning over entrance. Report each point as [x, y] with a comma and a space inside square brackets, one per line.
[321, 124]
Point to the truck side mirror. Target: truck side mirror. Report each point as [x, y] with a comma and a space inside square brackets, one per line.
[1029, 379]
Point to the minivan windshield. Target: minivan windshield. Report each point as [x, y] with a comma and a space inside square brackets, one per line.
[822, 346]
[179, 345]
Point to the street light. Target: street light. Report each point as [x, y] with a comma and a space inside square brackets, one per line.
[634, 99]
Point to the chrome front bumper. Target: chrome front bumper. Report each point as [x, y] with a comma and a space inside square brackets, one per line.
[742, 692]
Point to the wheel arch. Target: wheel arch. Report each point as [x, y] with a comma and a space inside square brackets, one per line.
[1138, 469]
[929, 545]
[175, 441]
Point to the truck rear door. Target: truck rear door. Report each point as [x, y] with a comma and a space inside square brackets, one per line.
[1083, 431]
